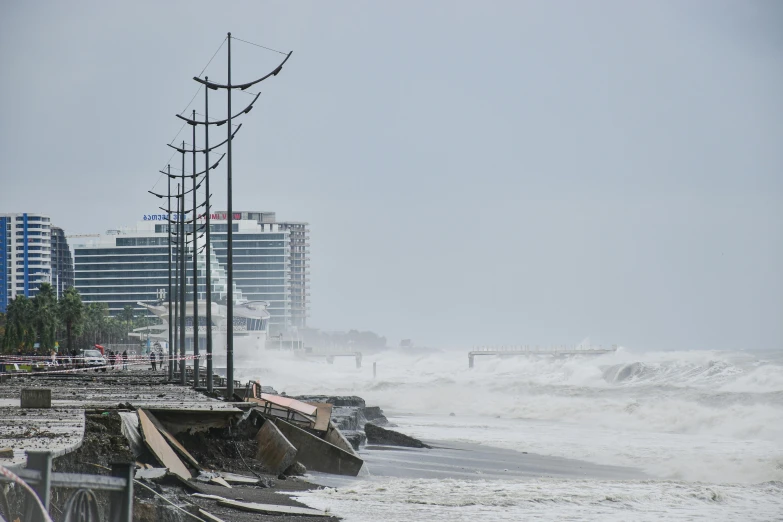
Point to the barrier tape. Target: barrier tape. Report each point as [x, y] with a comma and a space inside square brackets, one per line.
[130, 361]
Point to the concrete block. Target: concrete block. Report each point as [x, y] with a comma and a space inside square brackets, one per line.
[274, 450]
[317, 454]
[334, 436]
[36, 398]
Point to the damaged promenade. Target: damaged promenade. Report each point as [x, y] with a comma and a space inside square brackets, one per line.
[192, 457]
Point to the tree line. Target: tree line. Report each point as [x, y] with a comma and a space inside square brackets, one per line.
[67, 322]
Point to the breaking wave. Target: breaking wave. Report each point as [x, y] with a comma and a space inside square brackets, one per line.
[698, 415]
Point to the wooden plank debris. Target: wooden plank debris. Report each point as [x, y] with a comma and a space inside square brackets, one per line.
[323, 415]
[272, 509]
[233, 478]
[179, 448]
[209, 516]
[291, 404]
[220, 481]
[160, 448]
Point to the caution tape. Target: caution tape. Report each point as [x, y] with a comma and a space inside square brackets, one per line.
[130, 361]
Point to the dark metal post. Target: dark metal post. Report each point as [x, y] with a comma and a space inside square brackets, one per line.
[168, 294]
[182, 278]
[42, 461]
[230, 274]
[121, 502]
[208, 249]
[195, 268]
[176, 288]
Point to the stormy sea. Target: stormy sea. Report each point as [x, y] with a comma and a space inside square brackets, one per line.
[690, 435]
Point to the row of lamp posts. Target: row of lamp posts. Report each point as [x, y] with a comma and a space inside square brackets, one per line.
[178, 254]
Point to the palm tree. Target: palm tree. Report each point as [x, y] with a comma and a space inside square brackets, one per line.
[128, 314]
[20, 325]
[71, 312]
[45, 316]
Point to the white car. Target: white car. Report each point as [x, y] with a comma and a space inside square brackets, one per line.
[93, 358]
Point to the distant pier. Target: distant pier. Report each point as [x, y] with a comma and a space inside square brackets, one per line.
[553, 351]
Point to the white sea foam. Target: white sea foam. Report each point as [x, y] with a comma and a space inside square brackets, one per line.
[403, 500]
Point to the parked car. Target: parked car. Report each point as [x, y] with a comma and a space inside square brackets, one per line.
[93, 358]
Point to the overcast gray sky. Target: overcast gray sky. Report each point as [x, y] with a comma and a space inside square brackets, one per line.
[473, 172]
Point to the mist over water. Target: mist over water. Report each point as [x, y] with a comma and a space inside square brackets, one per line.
[687, 418]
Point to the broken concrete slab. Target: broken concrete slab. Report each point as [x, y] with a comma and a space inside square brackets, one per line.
[193, 420]
[274, 449]
[160, 448]
[271, 509]
[377, 435]
[179, 448]
[319, 455]
[335, 436]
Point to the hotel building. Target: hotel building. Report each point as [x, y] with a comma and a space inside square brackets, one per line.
[271, 264]
[25, 255]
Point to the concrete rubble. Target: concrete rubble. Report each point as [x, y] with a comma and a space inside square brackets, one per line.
[187, 447]
[177, 437]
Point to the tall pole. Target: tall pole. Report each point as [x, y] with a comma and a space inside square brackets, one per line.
[195, 269]
[182, 278]
[230, 299]
[168, 294]
[208, 268]
[176, 286]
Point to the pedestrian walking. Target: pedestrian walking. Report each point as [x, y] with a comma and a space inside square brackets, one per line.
[125, 360]
[153, 360]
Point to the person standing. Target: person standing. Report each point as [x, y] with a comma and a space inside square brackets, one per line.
[125, 360]
[153, 360]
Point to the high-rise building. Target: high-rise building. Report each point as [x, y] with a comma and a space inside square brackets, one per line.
[124, 267]
[299, 240]
[25, 255]
[62, 262]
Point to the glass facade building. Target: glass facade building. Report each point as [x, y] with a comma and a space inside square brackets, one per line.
[127, 266]
[25, 255]
[62, 262]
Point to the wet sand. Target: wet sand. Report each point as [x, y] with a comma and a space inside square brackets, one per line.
[466, 461]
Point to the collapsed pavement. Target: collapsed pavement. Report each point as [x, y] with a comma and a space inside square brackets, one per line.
[194, 455]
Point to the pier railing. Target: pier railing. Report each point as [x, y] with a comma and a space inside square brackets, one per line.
[553, 351]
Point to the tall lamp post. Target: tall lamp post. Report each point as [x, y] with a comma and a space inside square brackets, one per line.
[230, 209]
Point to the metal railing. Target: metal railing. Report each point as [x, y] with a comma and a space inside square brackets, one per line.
[38, 479]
